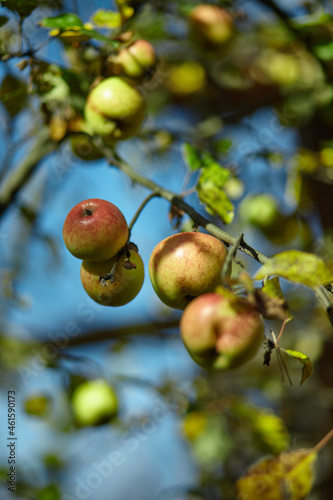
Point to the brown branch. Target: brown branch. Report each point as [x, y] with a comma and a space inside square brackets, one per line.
[16, 179]
[153, 329]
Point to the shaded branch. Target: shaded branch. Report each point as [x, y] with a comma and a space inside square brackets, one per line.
[151, 328]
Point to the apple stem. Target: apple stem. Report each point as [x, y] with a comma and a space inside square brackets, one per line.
[138, 212]
[110, 276]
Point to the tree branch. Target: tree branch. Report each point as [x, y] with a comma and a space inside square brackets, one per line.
[16, 179]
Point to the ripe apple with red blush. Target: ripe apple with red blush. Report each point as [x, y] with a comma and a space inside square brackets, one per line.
[186, 265]
[221, 331]
[95, 230]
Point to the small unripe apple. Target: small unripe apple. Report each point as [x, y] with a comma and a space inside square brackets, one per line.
[186, 265]
[94, 402]
[211, 25]
[114, 109]
[95, 230]
[260, 210]
[127, 282]
[135, 61]
[221, 333]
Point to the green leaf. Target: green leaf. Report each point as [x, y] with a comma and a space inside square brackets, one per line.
[324, 51]
[107, 19]
[307, 363]
[211, 189]
[223, 145]
[191, 156]
[62, 22]
[3, 20]
[299, 267]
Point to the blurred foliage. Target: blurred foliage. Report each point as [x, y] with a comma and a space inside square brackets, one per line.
[270, 62]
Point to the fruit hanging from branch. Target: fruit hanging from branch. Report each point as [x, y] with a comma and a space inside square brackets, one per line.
[95, 230]
[124, 285]
[221, 332]
[186, 265]
[115, 110]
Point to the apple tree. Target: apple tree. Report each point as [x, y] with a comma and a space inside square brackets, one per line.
[166, 236]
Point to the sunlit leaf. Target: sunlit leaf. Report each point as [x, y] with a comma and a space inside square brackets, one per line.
[211, 190]
[62, 22]
[191, 156]
[107, 19]
[288, 475]
[300, 267]
[305, 360]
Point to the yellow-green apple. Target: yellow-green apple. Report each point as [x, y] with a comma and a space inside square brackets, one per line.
[95, 230]
[260, 210]
[94, 402]
[114, 109]
[186, 265]
[125, 287]
[135, 61]
[211, 25]
[220, 332]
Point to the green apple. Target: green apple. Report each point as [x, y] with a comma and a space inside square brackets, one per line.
[186, 265]
[260, 210]
[127, 282]
[211, 25]
[135, 61]
[221, 333]
[95, 230]
[114, 109]
[94, 402]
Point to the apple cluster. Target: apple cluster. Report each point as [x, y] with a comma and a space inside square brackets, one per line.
[96, 231]
[219, 329]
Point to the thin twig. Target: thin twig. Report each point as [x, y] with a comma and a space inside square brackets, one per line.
[226, 270]
[138, 212]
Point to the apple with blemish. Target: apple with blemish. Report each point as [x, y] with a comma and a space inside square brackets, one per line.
[114, 109]
[186, 265]
[95, 230]
[126, 285]
[221, 332]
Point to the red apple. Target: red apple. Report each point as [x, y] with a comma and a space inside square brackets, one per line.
[95, 230]
[127, 282]
[114, 109]
[221, 333]
[186, 265]
[211, 25]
